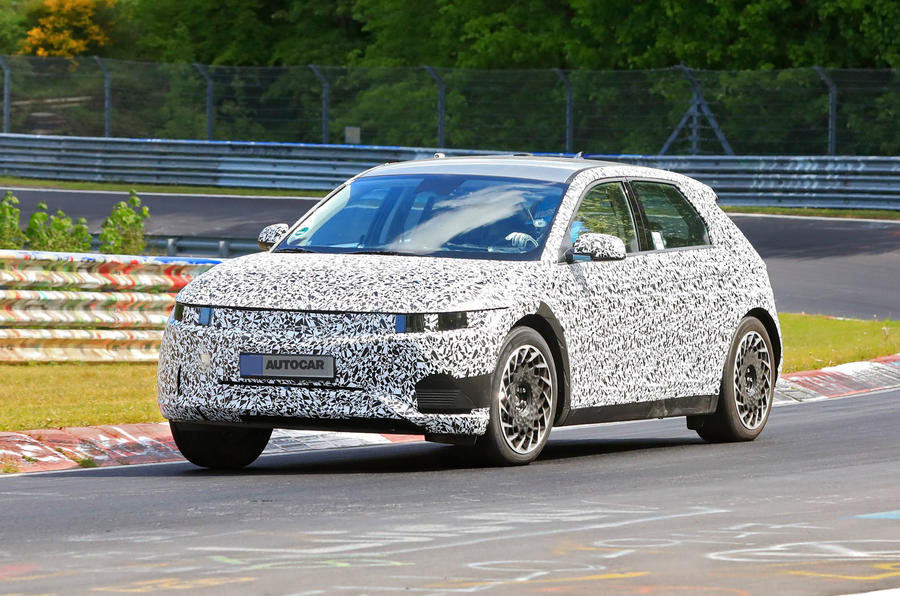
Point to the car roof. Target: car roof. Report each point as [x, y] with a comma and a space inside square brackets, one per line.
[548, 169]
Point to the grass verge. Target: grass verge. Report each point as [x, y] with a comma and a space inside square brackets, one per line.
[813, 341]
[814, 212]
[52, 395]
[37, 396]
[11, 181]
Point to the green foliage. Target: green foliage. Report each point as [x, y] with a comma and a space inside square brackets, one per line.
[575, 34]
[13, 26]
[247, 32]
[622, 34]
[123, 230]
[57, 232]
[11, 237]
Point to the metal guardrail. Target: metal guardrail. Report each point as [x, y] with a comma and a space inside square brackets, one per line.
[818, 181]
[87, 307]
[206, 163]
[198, 246]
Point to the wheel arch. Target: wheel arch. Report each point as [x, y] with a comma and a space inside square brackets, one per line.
[545, 322]
[772, 329]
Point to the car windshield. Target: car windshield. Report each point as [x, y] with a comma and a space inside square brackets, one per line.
[432, 215]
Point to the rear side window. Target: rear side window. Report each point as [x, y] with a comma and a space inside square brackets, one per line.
[673, 221]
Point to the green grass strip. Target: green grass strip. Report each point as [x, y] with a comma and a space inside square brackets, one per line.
[814, 341]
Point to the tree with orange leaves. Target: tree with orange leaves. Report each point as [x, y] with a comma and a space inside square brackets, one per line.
[69, 28]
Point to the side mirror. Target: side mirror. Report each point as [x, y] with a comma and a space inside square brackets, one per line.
[271, 235]
[599, 247]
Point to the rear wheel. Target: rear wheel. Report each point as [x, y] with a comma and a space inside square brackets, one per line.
[748, 387]
[219, 447]
[523, 390]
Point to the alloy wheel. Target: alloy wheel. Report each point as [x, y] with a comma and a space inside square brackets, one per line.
[752, 380]
[526, 399]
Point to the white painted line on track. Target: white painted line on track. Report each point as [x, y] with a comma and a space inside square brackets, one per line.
[88, 470]
[814, 217]
[695, 511]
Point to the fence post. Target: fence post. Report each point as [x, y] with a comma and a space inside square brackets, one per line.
[695, 126]
[107, 97]
[570, 97]
[209, 100]
[441, 106]
[326, 100]
[6, 84]
[698, 104]
[832, 108]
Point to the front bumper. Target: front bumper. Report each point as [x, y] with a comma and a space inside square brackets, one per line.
[376, 371]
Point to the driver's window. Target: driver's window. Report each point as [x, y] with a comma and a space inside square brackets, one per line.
[605, 210]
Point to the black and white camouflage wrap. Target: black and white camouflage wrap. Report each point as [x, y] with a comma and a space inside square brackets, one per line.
[655, 325]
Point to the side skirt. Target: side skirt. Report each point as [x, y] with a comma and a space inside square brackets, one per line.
[695, 405]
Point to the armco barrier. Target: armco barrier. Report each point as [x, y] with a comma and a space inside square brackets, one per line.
[801, 181]
[789, 181]
[87, 307]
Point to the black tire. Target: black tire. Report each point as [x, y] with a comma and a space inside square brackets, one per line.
[219, 447]
[533, 373]
[742, 411]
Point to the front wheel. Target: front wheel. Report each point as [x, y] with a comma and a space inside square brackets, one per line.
[219, 447]
[523, 399]
[748, 387]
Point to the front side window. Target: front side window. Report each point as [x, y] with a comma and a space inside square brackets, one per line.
[673, 221]
[605, 210]
[432, 215]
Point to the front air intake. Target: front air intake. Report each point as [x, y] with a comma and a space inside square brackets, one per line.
[440, 394]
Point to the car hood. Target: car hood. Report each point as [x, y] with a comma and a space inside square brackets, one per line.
[359, 283]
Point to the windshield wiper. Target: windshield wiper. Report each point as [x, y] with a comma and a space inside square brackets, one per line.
[295, 249]
[384, 252]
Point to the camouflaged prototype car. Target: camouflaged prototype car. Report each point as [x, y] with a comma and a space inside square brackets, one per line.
[478, 300]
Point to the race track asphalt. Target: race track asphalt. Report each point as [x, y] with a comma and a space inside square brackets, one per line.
[811, 507]
[845, 268]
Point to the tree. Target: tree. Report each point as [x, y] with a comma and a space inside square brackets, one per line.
[13, 27]
[623, 34]
[69, 27]
[574, 34]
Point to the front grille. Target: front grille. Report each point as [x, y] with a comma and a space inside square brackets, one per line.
[299, 384]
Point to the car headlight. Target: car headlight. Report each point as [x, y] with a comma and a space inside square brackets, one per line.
[204, 314]
[452, 320]
[419, 322]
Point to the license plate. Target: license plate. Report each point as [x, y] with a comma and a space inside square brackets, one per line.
[287, 366]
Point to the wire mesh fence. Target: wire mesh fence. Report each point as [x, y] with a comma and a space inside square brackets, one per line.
[806, 111]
